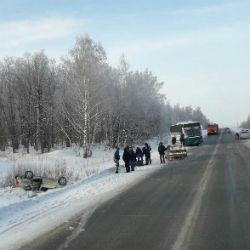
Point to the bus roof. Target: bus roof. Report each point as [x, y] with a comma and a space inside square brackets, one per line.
[185, 123]
[212, 124]
[178, 126]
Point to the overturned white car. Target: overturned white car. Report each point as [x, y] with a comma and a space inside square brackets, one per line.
[37, 183]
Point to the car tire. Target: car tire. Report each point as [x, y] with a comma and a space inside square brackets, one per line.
[28, 175]
[62, 181]
[28, 188]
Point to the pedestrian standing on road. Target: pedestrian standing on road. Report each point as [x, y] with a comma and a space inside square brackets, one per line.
[126, 158]
[132, 158]
[182, 139]
[161, 150]
[139, 156]
[146, 151]
[237, 136]
[149, 150]
[117, 159]
[173, 140]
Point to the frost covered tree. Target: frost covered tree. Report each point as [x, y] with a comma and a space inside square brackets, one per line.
[81, 100]
[36, 76]
[83, 71]
[27, 100]
[9, 101]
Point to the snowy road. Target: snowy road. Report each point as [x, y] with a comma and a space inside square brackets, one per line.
[24, 218]
[202, 202]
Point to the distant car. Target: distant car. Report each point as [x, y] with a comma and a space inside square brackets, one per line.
[37, 183]
[227, 130]
[244, 134]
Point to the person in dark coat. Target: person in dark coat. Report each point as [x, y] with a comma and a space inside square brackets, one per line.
[161, 150]
[173, 140]
[149, 149]
[139, 154]
[146, 151]
[126, 158]
[237, 136]
[182, 139]
[117, 159]
[132, 158]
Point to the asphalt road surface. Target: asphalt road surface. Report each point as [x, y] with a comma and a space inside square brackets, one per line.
[200, 203]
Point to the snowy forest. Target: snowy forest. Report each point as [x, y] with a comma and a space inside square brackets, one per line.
[81, 100]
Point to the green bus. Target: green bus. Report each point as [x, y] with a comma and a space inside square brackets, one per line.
[191, 131]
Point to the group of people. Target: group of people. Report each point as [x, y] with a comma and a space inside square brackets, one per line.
[132, 158]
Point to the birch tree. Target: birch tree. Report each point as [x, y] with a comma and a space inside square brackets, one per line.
[83, 70]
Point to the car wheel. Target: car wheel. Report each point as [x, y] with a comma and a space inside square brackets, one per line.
[28, 188]
[28, 175]
[62, 181]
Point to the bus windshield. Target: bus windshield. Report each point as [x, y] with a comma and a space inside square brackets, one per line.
[189, 131]
[176, 129]
[193, 129]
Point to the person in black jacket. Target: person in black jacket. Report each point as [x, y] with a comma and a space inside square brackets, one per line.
[173, 141]
[117, 159]
[126, 158]
[146, 151]
[139, 155]
[182, 139]
[132, 158]
[161, 150]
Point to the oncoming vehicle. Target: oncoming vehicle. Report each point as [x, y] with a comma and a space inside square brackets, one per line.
[191, 132]
[212, 129]
[37, 183]
[244, 134]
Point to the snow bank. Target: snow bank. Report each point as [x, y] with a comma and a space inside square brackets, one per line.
[5, 169]
[91, 180]
[57, 163]
[66, 162]
[26, 218]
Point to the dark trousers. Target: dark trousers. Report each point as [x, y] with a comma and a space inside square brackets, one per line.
[162, 158]
[148, 160]
[117, 165]
[127, 166]
[132, 164]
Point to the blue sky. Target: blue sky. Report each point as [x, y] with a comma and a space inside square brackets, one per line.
[200, 49]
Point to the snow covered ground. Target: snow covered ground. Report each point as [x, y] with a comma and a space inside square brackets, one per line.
[5, 168]
[59, 162]
[23, 218]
